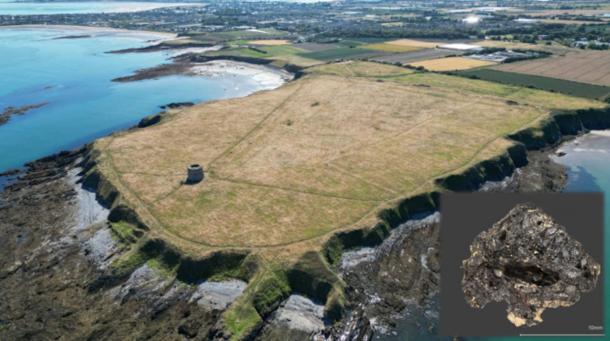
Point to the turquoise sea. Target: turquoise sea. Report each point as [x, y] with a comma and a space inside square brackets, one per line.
[74, 77]
[12, 7]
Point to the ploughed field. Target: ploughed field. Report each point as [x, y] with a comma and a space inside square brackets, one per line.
[287, 168]
[592, 67]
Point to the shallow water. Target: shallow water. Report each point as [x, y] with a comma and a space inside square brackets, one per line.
[10, 7]
[74, 77]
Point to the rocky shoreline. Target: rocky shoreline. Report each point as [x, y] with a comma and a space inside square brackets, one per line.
[63, 254]
[384, 290]
[193, 65]
[41, 247]
[9, 112]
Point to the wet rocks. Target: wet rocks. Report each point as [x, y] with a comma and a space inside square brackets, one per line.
[218, 295]
[528, 261]
[297, 318]
[176, 105]
[149, 121]
[389, 282]
[8, 112]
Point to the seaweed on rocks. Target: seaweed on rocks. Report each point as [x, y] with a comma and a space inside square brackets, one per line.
[530, 262]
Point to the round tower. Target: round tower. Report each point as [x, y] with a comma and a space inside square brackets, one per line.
[194, 173]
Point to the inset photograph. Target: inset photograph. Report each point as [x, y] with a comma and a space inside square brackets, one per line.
[521, 264]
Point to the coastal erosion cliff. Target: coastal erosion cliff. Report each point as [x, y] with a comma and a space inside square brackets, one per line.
[549, 132]
[313, 276]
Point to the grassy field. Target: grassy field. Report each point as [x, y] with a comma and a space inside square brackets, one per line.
[396, 48]
[323, 153]
[359, 69]
[280, 54]
[341, 53]
[451, 64]
[592, 67]
[545, 83]
[413, 43]
[553, 48]
[269, 42]
[288, 168]
[416, 56]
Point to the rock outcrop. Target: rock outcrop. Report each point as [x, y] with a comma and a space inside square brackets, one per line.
[530, 262]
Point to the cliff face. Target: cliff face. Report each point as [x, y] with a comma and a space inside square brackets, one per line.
[548, 133]
[311, 276]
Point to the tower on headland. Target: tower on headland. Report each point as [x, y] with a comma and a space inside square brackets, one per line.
[194, 173]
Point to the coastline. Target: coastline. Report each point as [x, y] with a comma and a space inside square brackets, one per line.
[353, 317]
[197, 88]
[44, 175]
[390, 219]
[266, 77]
[161, 36]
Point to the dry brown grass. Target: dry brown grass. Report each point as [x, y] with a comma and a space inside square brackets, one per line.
[396, 48]
[554, 48]
[451, 64]
[412, 43]
[359, 69]
[269, 42]
[557, 12]
[591, 67]
[287, 167]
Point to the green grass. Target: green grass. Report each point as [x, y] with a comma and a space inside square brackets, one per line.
[269, 33]
[338, 53]
[267, 288]
[240, 52]
[257, 52]
[162, 267]
[240, 35]
[240, 320]
[279, 50]
[124, 232]
[535, 97]
[539, 82]
[130, 260]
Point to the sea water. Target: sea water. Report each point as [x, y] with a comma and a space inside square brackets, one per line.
[74, 76]
[12, 7]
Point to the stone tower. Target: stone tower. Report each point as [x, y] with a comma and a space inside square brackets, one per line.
[194, 173]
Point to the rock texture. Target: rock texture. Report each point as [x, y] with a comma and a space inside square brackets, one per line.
[530, 262]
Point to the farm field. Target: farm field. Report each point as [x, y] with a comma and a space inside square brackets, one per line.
[280, 54]
[359, 69]
[342, 52]
[269, 42]
[285, 168]
[557, 12]
[413, 43]
[423, 54]
[243, 35]
[554, 49]
[451, 64]
[592, 67]
[315, 47]
[541, 82]
[390, 47]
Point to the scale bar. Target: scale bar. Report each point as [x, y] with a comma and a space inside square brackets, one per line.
[562, 334]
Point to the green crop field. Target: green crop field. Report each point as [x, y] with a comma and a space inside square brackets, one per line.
[539, 82]
[340, 53]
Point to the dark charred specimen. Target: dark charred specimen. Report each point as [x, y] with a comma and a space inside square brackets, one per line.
[529, 261]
